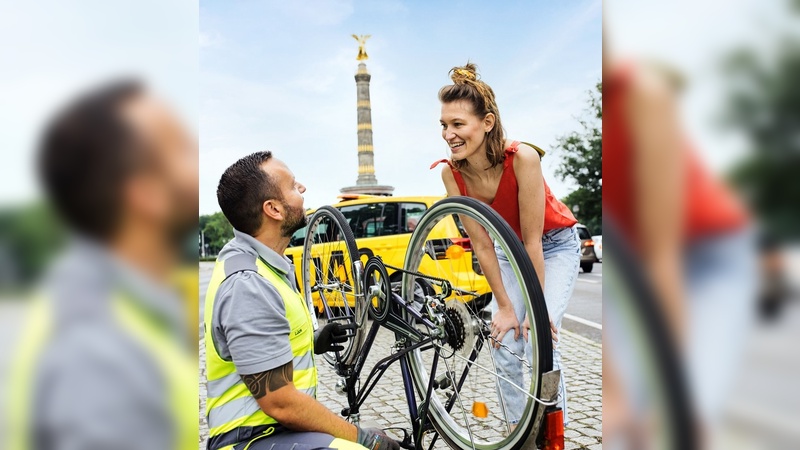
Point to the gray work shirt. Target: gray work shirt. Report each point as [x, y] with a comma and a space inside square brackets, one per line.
[249, 323]
[96, 387]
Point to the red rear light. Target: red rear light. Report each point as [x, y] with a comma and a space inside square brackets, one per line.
[465, 243]
[589, 243]
[554, 430]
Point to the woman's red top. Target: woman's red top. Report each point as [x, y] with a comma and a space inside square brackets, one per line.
[506, 200]
[709, 206]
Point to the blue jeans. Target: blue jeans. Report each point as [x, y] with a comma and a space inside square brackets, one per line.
[720, 276]
[561, 248]
[721, 282]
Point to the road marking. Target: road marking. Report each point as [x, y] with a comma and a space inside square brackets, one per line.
[588, 323]
[588, 281]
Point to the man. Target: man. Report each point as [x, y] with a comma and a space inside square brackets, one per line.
[105, 360]
[259, 338]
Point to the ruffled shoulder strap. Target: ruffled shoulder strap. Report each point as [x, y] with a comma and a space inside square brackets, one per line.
[446, 161]
[462, 187]
[511, 149]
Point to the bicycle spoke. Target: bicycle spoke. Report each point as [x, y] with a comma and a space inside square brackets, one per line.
[503, 406]
[463, 411]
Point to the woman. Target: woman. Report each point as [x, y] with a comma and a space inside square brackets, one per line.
[507, 175]
[692, 237]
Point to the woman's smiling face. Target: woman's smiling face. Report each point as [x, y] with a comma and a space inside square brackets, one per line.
[464, 132]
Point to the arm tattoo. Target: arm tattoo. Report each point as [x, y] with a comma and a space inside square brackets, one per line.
[261, 384]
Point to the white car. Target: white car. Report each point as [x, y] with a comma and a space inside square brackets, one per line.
[598, 246]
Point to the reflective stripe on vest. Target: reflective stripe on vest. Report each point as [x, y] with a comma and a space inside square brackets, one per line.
[230, 404]
[35, 334]
[178, 367]
[174, 363]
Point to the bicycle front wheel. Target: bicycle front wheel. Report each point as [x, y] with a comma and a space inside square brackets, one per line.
[480, 398]
[332, 278]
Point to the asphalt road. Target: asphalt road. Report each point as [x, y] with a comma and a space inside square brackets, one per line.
[585, 310]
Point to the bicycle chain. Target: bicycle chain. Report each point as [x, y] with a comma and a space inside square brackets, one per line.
[411, 272]
[523, 361]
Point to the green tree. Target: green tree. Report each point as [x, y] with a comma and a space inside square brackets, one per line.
[764, 104]
[217, 232]
[30, 235]
[582, 163]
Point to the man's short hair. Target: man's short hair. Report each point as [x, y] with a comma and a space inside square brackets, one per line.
[243, 189]
[86, 154]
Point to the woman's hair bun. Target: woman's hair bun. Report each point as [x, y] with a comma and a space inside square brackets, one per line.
[468, 72]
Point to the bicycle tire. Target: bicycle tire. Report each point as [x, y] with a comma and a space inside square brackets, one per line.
[319, 251]
[444, 423]
[628, 294]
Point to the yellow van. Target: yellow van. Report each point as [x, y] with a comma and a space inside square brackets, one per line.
[382, 227]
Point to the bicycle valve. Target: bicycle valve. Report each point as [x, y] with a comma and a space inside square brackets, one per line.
[443, 381]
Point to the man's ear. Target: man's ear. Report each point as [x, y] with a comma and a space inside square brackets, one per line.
[488, 122]
[272, 209]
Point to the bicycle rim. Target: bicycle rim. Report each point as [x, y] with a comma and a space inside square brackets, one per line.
[332, 272]
[456, 411]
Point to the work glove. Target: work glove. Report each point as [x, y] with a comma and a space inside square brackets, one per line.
[375, 439]
[328, 338]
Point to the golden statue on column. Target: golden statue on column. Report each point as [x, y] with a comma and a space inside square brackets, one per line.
[362, 40]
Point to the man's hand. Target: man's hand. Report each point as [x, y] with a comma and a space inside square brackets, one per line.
[375, 439]
[329, 337]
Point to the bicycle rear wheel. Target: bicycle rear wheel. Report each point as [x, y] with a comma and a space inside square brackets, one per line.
[332, 278]
[473, 403]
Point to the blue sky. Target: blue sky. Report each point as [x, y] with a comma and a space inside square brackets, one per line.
[278, 75]
[54, 49]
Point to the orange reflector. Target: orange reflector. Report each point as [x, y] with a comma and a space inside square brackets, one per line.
[479, 409]
[554, 430]
[340, 272]
[454, 252]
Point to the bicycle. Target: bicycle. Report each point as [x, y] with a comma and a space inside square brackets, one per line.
[442, 336]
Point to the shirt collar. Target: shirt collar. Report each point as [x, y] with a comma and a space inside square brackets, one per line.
[270, 256]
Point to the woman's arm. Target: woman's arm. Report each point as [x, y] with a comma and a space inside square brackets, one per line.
[505, 319]
[659, 183]
[528, 169]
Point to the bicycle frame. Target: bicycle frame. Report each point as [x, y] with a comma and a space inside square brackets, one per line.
[408, 340]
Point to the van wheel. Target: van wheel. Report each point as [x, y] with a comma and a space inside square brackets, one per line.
[587, 267]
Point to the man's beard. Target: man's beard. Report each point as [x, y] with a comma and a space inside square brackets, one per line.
[295, 220]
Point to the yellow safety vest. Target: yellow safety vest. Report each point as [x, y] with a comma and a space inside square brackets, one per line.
[231, 409]
[176, 364]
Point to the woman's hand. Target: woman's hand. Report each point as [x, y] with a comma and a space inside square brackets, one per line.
[526, 326]
[503, 321]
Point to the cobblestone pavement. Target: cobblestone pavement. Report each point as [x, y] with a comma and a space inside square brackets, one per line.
[386, 406]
